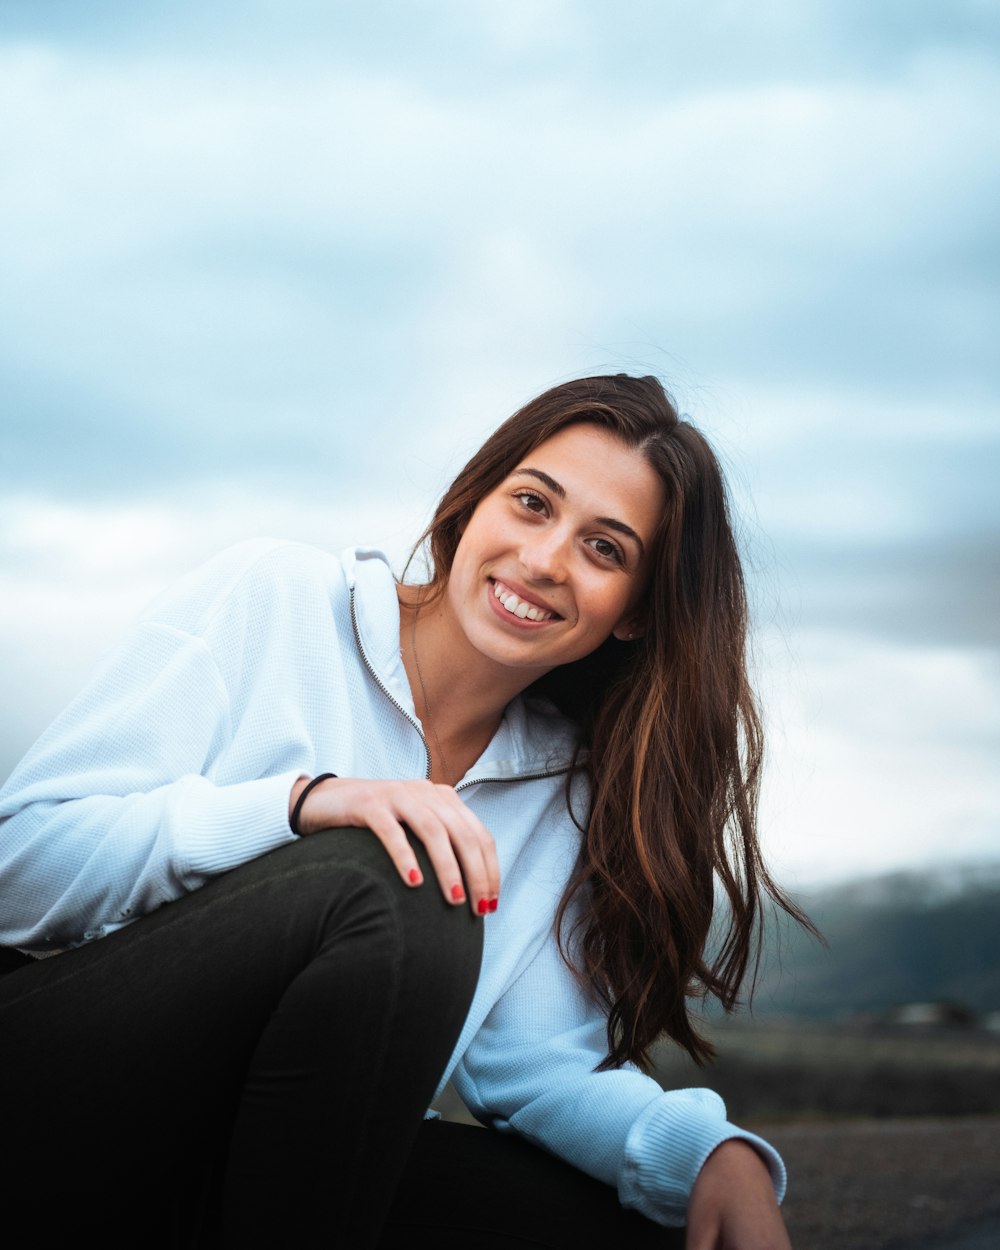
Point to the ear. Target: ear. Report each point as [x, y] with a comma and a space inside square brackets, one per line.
[629, 629]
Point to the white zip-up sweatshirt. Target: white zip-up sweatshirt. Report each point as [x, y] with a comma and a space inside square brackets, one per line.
[176, 762]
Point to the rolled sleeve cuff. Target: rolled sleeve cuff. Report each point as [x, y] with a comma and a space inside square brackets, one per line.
[667, 1147]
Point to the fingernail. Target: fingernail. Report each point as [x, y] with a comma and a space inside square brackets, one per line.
[414, 876]
[493, 904]
[483, 906]
[457, 894]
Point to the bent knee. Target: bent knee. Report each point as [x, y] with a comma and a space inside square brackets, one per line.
[347, 875]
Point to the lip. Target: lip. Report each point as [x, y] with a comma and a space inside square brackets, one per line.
[522, 622]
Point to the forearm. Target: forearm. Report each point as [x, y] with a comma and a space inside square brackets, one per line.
[531, 1068]
[733, 1204]
[119, 806]
[176, 761]
[652, 1145]
[76, 869]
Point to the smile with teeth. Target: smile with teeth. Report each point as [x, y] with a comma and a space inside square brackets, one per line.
[517, 607]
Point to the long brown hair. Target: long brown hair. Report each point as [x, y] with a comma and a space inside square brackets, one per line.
[670, 734]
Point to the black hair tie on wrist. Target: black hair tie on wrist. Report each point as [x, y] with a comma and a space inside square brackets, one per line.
[293, 820]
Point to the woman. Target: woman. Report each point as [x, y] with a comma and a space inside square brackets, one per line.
[324, 791]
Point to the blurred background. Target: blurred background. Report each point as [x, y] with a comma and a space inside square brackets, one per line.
[277, 268]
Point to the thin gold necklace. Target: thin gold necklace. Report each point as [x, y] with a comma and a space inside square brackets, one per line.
[423, 691]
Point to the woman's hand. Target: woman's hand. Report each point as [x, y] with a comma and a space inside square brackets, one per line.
[732, 1203]
[457, 843]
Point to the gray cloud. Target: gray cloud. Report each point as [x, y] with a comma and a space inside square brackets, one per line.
[217, 242]
[944, 593]
[642, 43]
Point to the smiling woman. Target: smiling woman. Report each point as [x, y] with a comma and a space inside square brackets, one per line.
[290, 804]
[547, 566]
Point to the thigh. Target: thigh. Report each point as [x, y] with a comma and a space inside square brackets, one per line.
[164, 1013]
[469, 1185]
[123, 1063]
[120, 1065]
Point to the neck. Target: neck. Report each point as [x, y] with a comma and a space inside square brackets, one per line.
[459, 696]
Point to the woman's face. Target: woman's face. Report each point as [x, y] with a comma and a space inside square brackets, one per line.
[556, 558]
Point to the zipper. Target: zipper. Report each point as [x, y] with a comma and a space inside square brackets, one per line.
[462, 785]
[500, 781]
[384, 688]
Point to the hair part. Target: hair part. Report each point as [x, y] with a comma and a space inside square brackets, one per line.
[670, 734]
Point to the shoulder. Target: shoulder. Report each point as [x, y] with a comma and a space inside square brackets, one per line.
[267, 579]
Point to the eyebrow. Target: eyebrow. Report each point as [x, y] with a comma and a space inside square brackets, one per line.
[608, 521]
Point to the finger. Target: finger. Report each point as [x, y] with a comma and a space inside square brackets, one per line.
[476, 853]
[481, 894]
[393, 837]
[482, 837]
[433, 833]
[449, 832]
[492, 866]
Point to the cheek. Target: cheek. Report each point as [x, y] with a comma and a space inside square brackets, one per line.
[464, 574]
[605, 606]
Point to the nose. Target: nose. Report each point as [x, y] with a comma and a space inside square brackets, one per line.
[545, 555]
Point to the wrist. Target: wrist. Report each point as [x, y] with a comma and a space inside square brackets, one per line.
[298, 798]
[294, 793]
[736, 1155]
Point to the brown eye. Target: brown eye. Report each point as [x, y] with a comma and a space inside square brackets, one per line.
[607, 549]
[531, 501]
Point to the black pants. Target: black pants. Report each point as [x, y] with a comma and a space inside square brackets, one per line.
[249, 1067]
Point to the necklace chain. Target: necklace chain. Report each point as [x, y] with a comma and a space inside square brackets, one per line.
[423, 691]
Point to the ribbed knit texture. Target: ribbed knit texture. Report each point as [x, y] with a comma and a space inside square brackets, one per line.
[176, 764]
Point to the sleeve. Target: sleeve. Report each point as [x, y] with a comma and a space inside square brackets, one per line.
[530, 1069]
[123, 804]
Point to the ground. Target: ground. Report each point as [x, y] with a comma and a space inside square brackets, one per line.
[899, 1184]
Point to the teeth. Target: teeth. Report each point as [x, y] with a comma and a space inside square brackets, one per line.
[517, 607]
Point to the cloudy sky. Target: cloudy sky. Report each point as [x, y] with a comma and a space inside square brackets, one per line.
[277, 267]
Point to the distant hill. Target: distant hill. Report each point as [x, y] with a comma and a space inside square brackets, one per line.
[901, 938]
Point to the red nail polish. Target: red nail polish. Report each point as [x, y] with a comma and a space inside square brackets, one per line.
[457, 894]
[414, 876]
[483, 906]
[493, 904]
